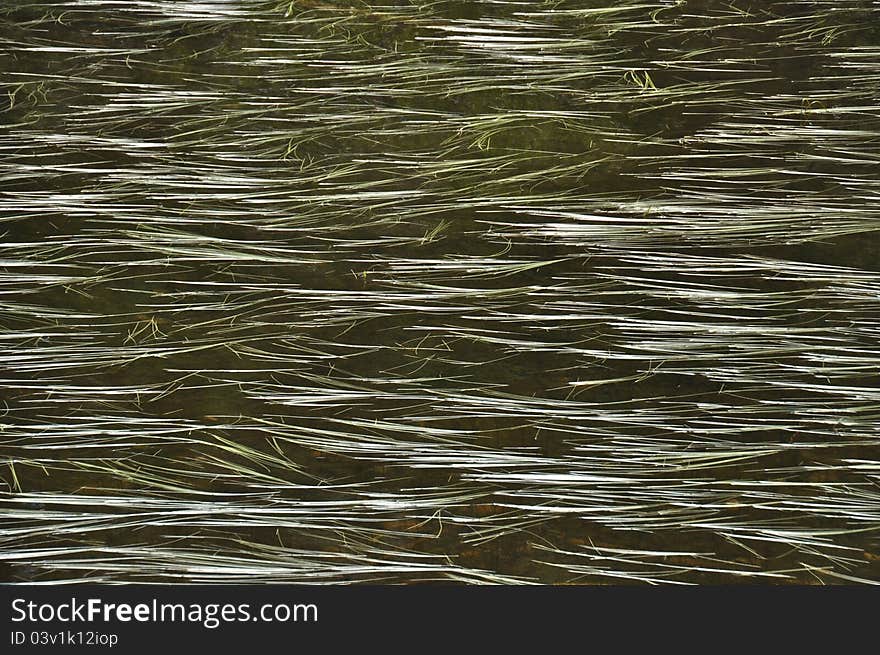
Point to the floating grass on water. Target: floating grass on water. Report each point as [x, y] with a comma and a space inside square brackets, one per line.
[485, 292]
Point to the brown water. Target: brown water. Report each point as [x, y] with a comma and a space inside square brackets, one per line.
[557, 292]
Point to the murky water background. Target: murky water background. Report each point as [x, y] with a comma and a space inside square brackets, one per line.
[440, 291]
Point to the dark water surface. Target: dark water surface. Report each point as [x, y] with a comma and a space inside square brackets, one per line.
[477, 291]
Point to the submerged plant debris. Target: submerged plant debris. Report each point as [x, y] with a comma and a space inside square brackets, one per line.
[470, 291]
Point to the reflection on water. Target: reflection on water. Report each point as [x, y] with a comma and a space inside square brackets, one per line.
[409, 291]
